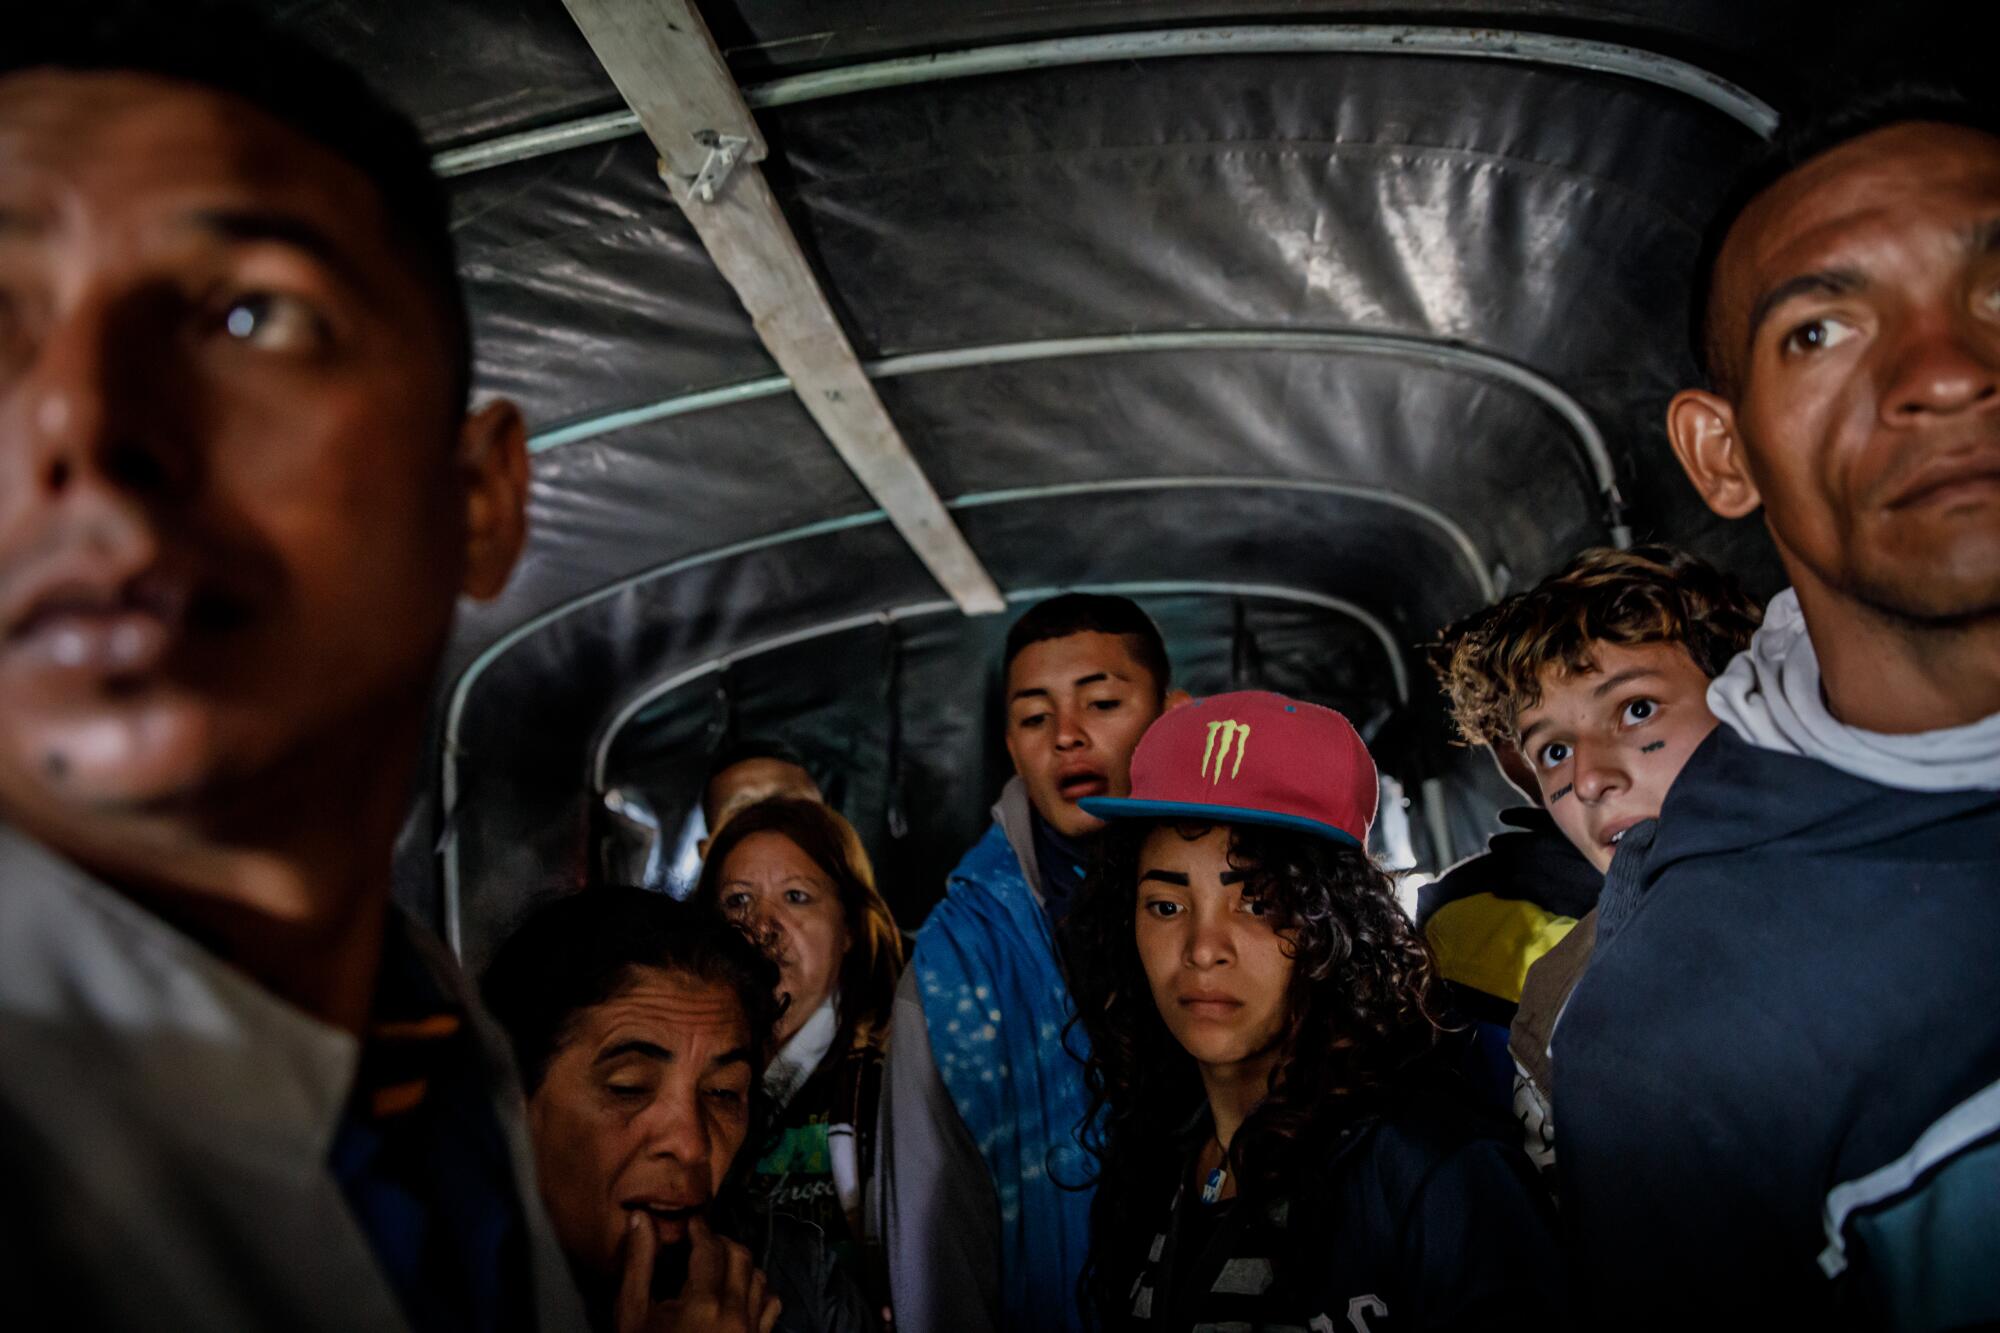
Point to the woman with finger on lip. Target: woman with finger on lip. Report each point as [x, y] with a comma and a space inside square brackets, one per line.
[788, 870]
[1279, 1132]
[640, 1027]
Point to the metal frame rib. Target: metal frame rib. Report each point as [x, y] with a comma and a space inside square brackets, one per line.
[1423, 349]
[1448, 531]
[1399, 671]
[1528, 48]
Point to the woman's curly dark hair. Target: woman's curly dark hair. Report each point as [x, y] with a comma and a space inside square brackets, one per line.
[1359, 1012]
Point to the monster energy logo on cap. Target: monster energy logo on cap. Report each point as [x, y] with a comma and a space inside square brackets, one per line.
[1233, 733]
[1312, 775]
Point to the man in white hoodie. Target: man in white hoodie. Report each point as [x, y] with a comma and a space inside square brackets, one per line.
[1782, 1071]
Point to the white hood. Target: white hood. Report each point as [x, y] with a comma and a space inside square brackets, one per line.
[1770, 696]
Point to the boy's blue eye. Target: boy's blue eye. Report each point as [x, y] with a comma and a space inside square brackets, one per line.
[1640, 709]
[1553, 754]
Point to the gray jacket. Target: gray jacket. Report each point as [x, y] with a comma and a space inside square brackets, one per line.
[931, 1203]
[165, 1124]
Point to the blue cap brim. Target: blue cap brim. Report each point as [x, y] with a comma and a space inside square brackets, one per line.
[1119, 807]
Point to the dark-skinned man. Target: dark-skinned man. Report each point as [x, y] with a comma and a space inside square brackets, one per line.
[240, 494]
[1781, 1073]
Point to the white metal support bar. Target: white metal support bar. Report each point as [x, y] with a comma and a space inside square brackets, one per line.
[661, 57]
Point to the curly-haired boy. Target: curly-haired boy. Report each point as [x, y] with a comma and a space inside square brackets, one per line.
[1595, 680]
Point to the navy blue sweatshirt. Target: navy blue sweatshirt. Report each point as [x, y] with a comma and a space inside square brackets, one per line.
[1425, 1218]
[1781, 1074]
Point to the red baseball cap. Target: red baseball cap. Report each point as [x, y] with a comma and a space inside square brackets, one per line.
[1252, 757]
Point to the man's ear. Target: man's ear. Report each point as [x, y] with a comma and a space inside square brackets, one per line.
[1175, 698]
[493, 464]
[1702, 427]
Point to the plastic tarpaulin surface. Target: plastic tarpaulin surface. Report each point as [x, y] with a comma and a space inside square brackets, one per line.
[1491, 255]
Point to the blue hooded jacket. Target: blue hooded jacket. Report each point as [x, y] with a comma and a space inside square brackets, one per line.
[996, 1006]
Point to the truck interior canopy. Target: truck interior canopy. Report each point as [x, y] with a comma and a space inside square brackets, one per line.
[1310, 330]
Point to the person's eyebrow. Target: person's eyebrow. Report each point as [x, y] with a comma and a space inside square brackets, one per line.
[1165, 877]
[1625, 677]
[1094, 678]
[737, 1055]
[618, 1051]
[248, 226]
[1824, 282]
[1533, 727]
[1235, 876]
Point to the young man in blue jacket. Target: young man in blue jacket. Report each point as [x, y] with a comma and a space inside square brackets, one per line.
[981, 1099]
[1781, 1074]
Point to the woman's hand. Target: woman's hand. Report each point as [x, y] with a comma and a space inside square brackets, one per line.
[724, 1292]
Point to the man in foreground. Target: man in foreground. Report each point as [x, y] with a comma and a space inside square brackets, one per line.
[1781, 1075]
[981, 1099]
[240, 494]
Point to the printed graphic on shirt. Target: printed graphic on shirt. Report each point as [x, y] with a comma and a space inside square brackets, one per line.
[1358, 1311]
[1245, 1292]
[801, 1150]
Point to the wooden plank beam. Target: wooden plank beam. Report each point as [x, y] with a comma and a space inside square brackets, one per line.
[662, 59]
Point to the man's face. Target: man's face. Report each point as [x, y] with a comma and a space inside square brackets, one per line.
[642, 1110]
[237, 500]
[743, 785]
[1606, 744]
[1857, 310]
[1218, 970]
[1076, 708]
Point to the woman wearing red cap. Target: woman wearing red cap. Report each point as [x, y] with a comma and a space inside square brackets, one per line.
[1279, 1136]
